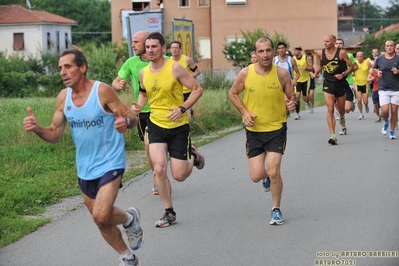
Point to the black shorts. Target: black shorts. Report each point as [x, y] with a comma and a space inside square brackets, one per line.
[337, 88]
[350, 95]
[312, 84]
[302, 87]
[376, 97]
[361, 88]
[91, 187]
[259, 142]
[177, 139]
[143, 117]
[186, 95]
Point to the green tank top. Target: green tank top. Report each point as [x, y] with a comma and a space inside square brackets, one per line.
[131, 68]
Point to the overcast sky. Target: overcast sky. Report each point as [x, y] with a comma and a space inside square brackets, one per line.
[382, 3]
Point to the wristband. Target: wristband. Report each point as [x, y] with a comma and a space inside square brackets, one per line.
[182, 109]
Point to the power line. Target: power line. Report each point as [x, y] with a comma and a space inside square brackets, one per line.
[376, 19]
[92, 32]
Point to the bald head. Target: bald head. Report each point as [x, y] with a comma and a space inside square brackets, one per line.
[397, 49]
[138, 42]
[360, 56]
[329, 41]
[141, 34]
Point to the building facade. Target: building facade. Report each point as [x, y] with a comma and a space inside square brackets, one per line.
[304, 23]
[31, 33]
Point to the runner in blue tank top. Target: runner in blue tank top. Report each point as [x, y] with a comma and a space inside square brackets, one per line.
[97, 119]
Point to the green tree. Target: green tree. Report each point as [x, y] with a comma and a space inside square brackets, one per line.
[368, 15]
[370, 41]
[372, 15]
[239, 51]
[93, 17]
[392, 12]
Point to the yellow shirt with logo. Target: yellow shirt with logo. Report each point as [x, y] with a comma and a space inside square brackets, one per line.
[183, 62]
[362, 72]
[264, 97]
[163, 92]
[302, 64]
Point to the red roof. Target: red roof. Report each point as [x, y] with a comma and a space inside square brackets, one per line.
[16, 14]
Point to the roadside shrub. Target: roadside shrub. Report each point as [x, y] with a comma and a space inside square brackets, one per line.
[50, 85]
[25, 77]
[21, 85]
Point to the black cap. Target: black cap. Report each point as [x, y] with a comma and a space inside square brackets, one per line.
[299, 48]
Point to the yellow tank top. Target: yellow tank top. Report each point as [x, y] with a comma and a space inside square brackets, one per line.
[164, 92]
[183, 62]
[302, 64]
[362, 73]
[264, 97]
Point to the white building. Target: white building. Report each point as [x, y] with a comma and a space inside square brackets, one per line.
[31, 33]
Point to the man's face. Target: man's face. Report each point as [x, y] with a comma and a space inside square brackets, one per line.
[360, 57]
[175, 49]
[329, 42]
[69, 71]
[138, 44]
[254, 59]
[282, 50]
[375, 53]
[389, 47]
[264, 53]
[397, 49]
[297, 53]
[339, 44]
[154, 49]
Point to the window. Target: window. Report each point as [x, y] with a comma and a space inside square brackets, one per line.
[49, 41]
[204, 45]
[233, 39]
[184, 3]
[236, 2]
[57, 41]
[203, 3]
[140, 6]
[68, 43]
[18, 41]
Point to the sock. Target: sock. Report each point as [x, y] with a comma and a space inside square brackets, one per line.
[276, 209]
[195, 158]
[332, 135]
[170, 210]
[129, 220]
[127, 254]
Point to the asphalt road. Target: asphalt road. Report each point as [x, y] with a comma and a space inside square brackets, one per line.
[337, 200]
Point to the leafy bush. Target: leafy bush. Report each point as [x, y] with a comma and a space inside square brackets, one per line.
[102, 63]
[26, 77]
[239, 51]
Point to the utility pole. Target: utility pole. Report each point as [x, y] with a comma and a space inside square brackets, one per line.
[364, 15]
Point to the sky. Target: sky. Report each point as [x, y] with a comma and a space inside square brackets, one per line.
[382, 3]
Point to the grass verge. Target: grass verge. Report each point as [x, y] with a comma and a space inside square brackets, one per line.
[35, 174]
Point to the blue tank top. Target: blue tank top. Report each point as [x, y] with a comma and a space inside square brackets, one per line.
[99, 146]
[287, 64]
